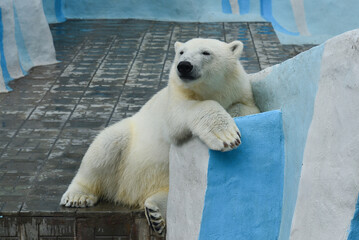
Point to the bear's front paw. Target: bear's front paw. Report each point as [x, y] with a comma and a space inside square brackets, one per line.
[78, 199]
[223, 140]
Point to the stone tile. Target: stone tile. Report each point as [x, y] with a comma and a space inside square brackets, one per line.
[10, 204]
[42, 205]
[241, 31]
[267, 46]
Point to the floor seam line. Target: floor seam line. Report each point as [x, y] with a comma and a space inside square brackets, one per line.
[254, 45]
[166, 57]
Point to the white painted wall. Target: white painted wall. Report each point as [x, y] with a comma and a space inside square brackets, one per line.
[188, 184]
[329, 183]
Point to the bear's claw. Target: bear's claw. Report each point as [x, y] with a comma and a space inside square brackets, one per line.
[77, 199]
[224, 140]
[155, 220]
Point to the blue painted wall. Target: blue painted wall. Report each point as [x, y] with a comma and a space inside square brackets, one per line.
[322, 18]
[143, 9]
[281, 19]
[54, 10]
[327, 18]
[171, 10]
[245, 186]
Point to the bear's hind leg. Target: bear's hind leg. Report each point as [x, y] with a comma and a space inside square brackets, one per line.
[155, 211]
[98, 173]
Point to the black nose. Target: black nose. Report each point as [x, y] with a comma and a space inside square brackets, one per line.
[184, 67]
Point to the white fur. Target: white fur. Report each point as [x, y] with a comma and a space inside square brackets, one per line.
[128, 161]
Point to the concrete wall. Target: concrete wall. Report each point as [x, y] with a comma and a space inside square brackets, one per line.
[168, 10]
[54, 10]
[317, 92]
[25, 39]
[295, 21]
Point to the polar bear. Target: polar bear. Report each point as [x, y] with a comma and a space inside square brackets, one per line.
[128, 161]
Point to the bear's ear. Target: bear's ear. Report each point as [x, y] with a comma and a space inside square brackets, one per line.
[177, 45]
[236, 47]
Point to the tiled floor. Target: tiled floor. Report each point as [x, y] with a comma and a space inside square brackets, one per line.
[108, 70]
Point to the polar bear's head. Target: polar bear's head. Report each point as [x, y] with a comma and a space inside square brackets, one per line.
[205, 61]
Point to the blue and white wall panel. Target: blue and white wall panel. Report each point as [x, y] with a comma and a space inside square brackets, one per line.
[295, 21]
[232, 195]
[25, 39]
[315, 184]
[328, 187]
[300, 21]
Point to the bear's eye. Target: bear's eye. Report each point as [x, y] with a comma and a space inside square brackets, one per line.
[206, 53]
[181, 52]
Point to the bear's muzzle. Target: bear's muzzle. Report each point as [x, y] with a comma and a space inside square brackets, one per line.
[186, 71]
